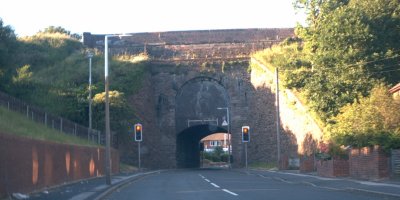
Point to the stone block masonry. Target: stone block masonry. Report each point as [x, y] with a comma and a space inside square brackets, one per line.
[185, 71]
[188, 45]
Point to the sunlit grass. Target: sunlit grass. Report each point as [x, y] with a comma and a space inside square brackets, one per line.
[133, 58]
[263, 165]
[17, 124]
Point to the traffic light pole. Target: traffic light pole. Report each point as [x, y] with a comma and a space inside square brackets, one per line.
[245, 152]
[139, 155]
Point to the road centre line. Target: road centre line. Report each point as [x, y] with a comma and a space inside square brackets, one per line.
[217, 186]
[232, 193]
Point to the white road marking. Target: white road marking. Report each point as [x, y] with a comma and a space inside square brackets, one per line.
[217, 186]
[227, 191]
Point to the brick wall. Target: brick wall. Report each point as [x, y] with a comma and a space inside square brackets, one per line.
[307, 164]
[369, 163]
[27, 165]
[333, 168]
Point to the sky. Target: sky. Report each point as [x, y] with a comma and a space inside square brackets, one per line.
[28, 17]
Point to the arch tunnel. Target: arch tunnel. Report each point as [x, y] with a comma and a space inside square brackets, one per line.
[187, 144]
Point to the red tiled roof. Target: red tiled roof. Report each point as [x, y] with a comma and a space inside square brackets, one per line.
[214, 137]
[395, 88]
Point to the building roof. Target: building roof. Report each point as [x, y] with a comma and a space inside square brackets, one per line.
[214, 137]
[394, 89]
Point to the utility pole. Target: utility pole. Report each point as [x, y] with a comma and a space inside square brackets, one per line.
[278, 140]
[90, 55]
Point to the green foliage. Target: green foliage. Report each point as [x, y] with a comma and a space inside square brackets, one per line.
[23, 74]
[58, 29]
[347, 47]
[288, 56]
[8, 46]
[373, 120]
[54, 76]
[46, 49]
[17, 124]
[218, 155]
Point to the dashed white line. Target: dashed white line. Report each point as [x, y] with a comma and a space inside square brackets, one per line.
[217, 186]
[227, 191]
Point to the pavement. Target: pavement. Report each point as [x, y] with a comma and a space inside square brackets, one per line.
[96, 189]
[89, 189]
[384, 187]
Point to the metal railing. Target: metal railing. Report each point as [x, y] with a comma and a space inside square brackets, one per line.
[49, 120]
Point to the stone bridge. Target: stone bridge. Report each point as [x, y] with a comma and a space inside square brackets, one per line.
[192, 74]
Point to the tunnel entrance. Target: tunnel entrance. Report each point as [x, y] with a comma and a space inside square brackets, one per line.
[188, 144]
[202, 106]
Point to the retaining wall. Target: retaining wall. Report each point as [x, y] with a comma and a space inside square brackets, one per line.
[27, 165]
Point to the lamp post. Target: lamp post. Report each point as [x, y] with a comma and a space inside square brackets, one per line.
[107, 108]
[229, 134]
[90, 55]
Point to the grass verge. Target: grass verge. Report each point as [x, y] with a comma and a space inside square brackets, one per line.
[16, 124]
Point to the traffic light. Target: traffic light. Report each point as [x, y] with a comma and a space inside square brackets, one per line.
[138, 132]
[245, 134]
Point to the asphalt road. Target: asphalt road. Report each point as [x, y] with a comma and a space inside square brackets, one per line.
[222, 184]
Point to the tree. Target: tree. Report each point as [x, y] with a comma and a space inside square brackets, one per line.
[351, 44]
[373, 120]
[8, 47]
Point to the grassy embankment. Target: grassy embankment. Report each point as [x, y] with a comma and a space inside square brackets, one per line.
[17, 124]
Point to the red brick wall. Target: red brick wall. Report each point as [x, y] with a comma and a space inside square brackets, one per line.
[369, 163]
[27, 165]
[333, 168]
[307, 164]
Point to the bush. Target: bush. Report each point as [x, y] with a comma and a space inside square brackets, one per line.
[374, 120]
[218, 155]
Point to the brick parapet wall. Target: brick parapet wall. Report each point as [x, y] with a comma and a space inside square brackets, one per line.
[369, 163]
[28, 165]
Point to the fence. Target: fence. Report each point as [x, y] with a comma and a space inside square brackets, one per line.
[63, 125]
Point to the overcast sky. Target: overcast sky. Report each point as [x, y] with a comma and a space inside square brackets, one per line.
[27, 17]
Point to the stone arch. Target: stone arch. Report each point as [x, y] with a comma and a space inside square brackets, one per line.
[197, 116]
[187, 144]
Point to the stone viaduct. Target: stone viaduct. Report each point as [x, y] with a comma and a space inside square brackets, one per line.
[192, 74]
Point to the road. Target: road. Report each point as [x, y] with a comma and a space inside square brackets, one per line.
[220, 184]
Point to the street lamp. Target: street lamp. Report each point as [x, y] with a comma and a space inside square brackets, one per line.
[90, 55]
[228, 124]
[107, 107]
